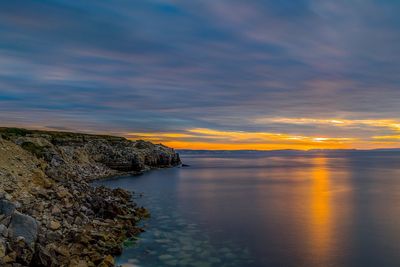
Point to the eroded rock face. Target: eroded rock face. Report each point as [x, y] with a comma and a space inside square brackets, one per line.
[85, 157]
[50, 215]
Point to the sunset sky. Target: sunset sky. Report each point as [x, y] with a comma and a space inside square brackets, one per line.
[206, 74]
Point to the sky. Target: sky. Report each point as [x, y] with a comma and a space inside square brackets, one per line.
[206, 74]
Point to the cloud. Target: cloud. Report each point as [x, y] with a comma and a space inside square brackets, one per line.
[166, 66]
[210, 138]
[376, 123]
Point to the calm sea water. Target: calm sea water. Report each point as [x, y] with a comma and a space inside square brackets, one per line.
[260, 209]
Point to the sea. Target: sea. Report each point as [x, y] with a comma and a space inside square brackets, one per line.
[269, 209]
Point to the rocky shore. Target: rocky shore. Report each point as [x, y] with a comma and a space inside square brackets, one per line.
[49, 213]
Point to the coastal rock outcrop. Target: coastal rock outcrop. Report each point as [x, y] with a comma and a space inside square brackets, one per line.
[88, 157]
[49, 213]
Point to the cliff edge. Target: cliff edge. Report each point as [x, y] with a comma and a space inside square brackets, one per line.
[50, 215]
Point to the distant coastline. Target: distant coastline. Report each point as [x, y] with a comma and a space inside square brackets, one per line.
[285, 152]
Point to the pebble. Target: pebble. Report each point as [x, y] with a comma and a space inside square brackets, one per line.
[54, 225]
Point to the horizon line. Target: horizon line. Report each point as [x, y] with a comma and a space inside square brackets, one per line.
[171, 144]
[290, 149]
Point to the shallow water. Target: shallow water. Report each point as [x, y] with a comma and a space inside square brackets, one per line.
[266, 209]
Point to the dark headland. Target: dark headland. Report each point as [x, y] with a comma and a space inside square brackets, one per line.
[50, 215]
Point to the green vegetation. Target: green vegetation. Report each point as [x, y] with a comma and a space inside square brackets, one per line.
[38, 151]
[10, 133]
[6, 133]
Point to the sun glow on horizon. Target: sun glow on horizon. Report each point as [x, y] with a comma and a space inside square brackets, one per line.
[214, 139]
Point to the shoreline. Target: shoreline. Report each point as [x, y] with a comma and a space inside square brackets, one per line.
[51, 215]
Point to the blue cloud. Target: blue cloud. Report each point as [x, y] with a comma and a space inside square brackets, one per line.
[157, 65]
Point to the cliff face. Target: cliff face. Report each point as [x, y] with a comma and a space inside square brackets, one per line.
[87, 157]
[49, 214]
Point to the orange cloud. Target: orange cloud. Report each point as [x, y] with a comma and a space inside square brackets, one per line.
[203, 138]
[387, 137]
[381, 123]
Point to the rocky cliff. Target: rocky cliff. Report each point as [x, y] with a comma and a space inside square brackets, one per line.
[50, 215]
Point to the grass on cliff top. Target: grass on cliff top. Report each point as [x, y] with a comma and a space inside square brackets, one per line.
[35, 149]
[8, 133]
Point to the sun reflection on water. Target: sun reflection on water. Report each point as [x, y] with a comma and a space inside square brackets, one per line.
[320, 211]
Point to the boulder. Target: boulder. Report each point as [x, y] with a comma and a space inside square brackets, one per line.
[23, 226]
[6, 207]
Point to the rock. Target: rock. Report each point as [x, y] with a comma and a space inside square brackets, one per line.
[56, 210]
[78, 263]
[54, 225]
[3, 230]
[42, 257]
[5, 220]
[62, 192]
[6, 207]
[78, 221]
[60, 219]
[52, 236]
[24, 252]
[62, 250]
[24, 226]
[10, 257]
[2, 248]
[107, 262]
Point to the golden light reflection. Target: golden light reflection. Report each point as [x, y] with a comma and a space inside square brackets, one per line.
[321, 219]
